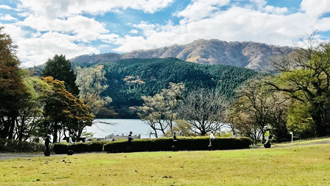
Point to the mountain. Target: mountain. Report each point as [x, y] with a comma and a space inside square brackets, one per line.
[152, 75]
[249, 55]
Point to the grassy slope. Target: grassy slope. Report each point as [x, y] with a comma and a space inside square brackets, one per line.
[299, 165]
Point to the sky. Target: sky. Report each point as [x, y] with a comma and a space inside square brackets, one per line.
[43, 28]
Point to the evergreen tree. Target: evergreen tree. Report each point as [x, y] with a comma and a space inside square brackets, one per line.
[60, 68]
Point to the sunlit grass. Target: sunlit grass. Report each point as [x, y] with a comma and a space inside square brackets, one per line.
[302, 165]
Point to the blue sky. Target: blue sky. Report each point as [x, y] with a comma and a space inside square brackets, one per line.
[43, 28]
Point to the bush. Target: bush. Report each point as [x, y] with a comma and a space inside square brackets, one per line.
[16, 146]
[183, 143]
[62, 148]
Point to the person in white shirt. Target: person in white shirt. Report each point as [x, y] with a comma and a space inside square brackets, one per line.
[211, 139]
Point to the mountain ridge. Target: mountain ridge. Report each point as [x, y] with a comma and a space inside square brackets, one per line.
[247, 54]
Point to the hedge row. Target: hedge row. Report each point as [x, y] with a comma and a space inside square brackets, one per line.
[62, 148]
[165, 144]
[16, 146]
[160, 144]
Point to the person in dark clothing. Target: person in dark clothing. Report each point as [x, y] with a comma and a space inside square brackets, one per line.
[175, 140]
[47, 143]
[130, 139]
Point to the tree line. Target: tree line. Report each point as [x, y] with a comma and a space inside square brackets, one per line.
[297, 100]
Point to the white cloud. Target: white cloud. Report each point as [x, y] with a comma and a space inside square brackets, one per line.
[234, 24]
[85, 29]
[134, 31]
[7, 17]
[200, 9]
[67, 8]
[315, 7]
[5, 7]
[36, 51]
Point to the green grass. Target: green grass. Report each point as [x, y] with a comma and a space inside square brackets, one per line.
[298, 165]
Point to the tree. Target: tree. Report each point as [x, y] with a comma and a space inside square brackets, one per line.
[92, 83]
[64, 112]
[12, 89]
[159, 111]
[257, 107]
[306, 78]
[60, 68]
[205, 110]
[32, 108]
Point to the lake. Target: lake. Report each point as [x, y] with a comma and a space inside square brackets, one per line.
[105, 127]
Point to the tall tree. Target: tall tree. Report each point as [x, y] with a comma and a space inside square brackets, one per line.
[92, 83]
[259, 106]
[64, 112]
[60, 68]
[12, 89]
[306, 78]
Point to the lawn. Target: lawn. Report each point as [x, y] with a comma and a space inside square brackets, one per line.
[298, 165]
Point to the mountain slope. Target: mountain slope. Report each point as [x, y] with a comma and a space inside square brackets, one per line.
[240, 54]
[155, 75]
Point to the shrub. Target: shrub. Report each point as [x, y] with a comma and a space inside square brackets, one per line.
[184, 143]
[62, 148]
[16, 146]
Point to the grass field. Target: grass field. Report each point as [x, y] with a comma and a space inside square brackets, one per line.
[298, 165]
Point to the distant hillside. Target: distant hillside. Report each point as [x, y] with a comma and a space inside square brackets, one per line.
[240, 54]
[157, 73]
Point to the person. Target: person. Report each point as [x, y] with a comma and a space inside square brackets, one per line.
[47, 143]
[130, 139]
[211, 139]
[175, 140]
[70, 151]
[268, 137]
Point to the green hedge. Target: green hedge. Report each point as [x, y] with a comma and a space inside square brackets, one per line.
[16, 146]
[183, 143]
[160, 144]
[62, 148]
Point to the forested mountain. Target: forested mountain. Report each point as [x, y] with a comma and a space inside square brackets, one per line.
[130, 79]
[240, 54]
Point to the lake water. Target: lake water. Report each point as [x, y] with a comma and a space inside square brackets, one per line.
[105, 127]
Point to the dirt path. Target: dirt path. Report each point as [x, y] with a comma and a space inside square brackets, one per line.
[7, 156]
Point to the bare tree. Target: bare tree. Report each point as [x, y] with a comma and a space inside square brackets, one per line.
[159, 111]
[205, 110]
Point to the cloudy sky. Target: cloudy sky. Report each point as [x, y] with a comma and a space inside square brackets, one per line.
[43, 28]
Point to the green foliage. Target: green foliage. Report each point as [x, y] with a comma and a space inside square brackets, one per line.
[183, 143]
[17, 146]
[64, 111]
[12, 90]
[60, 68]
[305, 78]
[158, 73]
